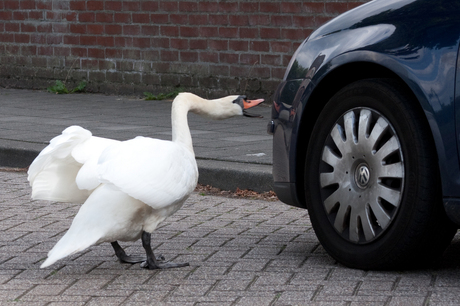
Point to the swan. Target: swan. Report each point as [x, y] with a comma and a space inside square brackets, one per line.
[127, 187]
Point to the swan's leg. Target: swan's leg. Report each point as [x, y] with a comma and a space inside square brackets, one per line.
[152, 262]
[121, 254]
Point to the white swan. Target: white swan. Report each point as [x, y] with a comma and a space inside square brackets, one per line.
[128, 187]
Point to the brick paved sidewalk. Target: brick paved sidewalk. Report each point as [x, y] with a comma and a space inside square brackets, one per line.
[241, 252]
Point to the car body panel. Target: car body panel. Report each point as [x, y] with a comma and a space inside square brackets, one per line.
[416, 40]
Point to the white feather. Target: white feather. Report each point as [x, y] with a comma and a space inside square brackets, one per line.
[102, 221]
[64, 171]
[88, 154]
[156, 172]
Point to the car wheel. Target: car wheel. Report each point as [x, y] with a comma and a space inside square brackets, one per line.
[372, 181]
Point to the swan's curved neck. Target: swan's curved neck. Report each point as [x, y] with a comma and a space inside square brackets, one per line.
[216, 109]
[180, 129]
[182, 104]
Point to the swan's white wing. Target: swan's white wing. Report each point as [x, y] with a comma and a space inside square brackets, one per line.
[156, 172]
[60, 147]
[88, 154]
[56, 182]
[53, 173]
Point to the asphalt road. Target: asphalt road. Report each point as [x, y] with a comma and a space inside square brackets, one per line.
[241, 252]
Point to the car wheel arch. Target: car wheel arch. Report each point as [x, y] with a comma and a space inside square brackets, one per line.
[323, 91]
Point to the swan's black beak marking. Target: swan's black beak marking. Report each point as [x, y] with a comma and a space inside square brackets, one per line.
[246, 104]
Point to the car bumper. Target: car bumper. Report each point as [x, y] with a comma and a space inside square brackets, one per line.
[287, 193]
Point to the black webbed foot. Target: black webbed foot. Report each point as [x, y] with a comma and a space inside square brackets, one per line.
[162, 265]
[153, 262]
[123, 257]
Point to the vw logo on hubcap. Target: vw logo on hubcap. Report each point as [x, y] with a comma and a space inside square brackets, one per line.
[362, 176]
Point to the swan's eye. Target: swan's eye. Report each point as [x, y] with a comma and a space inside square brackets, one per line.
[240, 100]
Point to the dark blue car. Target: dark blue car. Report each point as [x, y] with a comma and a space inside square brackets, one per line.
[366, 128]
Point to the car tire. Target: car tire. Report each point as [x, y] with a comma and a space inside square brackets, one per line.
[372, 182]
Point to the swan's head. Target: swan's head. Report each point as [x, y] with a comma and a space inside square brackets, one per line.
[245, 104]
[226, 107]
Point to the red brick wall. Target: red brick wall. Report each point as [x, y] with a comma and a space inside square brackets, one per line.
[209, 47]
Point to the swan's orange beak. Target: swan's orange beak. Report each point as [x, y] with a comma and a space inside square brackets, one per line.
[251, 103]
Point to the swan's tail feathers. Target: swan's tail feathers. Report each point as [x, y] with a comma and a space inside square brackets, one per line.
[52, 174]
[60, 147]
[71, 243]
[57, 183]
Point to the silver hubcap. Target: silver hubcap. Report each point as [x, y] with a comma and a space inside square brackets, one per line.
[362, 176]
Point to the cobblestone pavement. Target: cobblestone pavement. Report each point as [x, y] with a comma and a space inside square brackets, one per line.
[241, 252]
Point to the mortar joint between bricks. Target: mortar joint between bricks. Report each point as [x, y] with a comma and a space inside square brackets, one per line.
[251, 283]
[317, 292]
[211, 288]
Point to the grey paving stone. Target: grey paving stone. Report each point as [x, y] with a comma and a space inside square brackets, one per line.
[295, 298]
[257, 300]
[403, 301]
[233, 284]
[8, 296]
[109, 301]
[147, 296]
